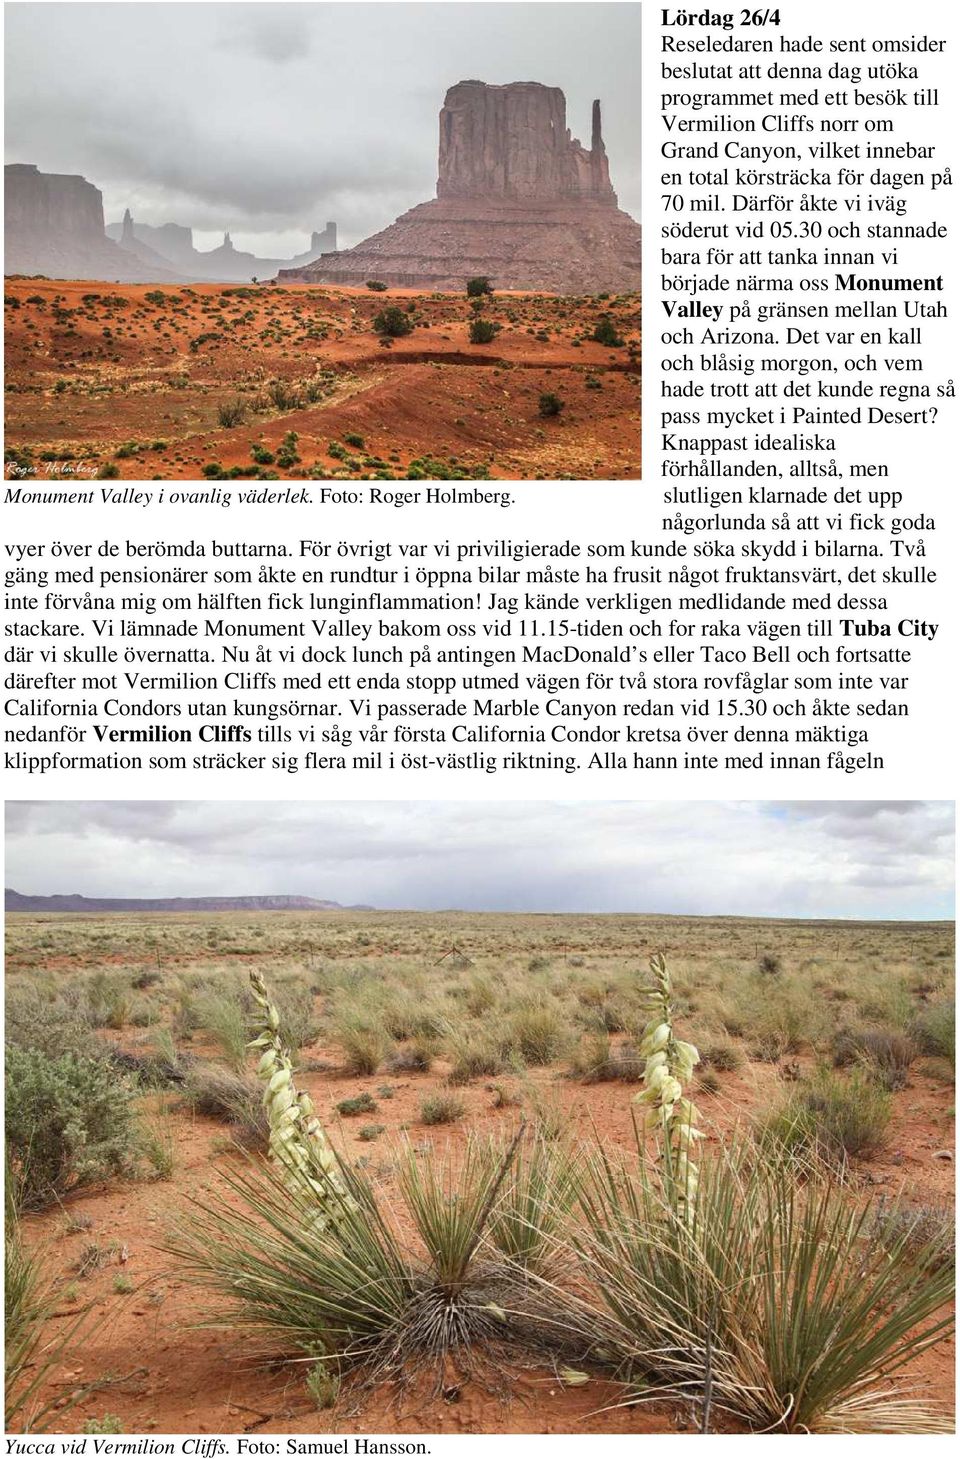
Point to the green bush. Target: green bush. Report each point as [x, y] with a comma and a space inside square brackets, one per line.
[376, 285]
[392, 322]
[68, 1122]
[605, 332]
[441, 1109]
[477, 287]
[482, 331]
[549, 404]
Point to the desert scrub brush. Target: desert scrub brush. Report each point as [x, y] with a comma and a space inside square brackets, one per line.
[669, 1066]
[297, 1139]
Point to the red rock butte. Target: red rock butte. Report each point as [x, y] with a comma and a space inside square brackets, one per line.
[519, 201]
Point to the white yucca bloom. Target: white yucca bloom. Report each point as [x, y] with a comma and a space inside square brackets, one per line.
[669, 1066]
[297, 1138]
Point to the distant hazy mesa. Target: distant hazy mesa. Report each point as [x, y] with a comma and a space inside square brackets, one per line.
[519, 200]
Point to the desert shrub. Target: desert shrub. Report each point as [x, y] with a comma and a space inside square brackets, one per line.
[482, 331]
[232, 413]
[415, 1057]
[298, 1021]
[68, 1123]
[478, 287]
[934, 1028]
[108, 1001]
[605, 333]
[352, 439]
[718, 1054]
[769, 964]
[54, 1025]
[441, 1109]
[358, 1104]
[549, 404]
[472, 1053]
[287, 455]
[924, 1234]
[392, 322]
[595, 1060]
[833, 1118]
[283, 396]
[376, 285]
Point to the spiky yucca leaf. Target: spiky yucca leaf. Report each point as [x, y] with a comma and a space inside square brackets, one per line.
[334, 1287]
[452, 1205]
[31, 1354]
[532, 1205]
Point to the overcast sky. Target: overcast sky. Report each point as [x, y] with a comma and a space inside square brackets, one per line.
[885, 859]
[270, 119]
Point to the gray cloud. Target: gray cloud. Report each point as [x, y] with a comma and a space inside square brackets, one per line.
[268, 119]
[746, 858]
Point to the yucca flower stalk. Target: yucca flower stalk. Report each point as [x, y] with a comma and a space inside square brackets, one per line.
[298, 1142]
[665, 1108]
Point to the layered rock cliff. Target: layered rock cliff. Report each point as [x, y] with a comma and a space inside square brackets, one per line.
[519, 200]
[512, 143]
[53, 225]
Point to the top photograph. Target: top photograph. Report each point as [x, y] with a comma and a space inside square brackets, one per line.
[322, 242]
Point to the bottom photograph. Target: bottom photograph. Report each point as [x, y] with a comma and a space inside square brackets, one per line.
[422, 1118]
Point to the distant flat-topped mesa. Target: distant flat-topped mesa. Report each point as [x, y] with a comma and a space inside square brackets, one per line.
[53, 225]
[519, 201]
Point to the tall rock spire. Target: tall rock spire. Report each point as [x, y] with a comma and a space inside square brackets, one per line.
[127, 236]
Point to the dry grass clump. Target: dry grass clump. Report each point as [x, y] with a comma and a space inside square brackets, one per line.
[596, 1060]
[886, 1054]
[364, 1042]
[537, 1032]
[222, 1094]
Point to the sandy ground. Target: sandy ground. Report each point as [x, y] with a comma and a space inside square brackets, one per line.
[94, 369]
[172, 1376]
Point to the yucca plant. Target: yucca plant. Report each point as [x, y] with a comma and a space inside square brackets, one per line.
[323, 1266]
[773, 1300]
[752, 1283]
